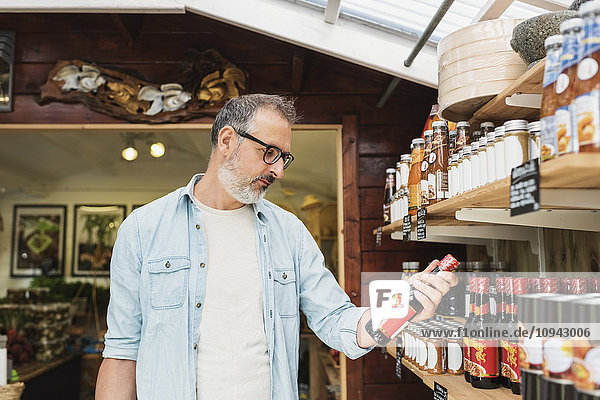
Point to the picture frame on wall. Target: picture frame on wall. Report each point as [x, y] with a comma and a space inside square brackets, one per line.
[38, 240]
[94, 235]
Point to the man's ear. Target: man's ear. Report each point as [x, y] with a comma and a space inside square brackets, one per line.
[227, 140]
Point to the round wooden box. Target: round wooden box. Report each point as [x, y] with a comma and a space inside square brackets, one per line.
[476, 63]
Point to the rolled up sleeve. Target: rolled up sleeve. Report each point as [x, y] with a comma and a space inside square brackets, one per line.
[328, 309]
[124, 317]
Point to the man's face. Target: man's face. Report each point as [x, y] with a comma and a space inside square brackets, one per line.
[244, 174]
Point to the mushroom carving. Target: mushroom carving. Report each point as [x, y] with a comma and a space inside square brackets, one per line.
[169, 97]
[86, 80]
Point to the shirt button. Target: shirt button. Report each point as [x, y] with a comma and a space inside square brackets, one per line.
[195, 347]
[198, 305]
[284, 276]
[202, 265]
[197, 226]
[168, 264]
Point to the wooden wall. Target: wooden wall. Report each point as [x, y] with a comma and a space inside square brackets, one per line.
[327, 91]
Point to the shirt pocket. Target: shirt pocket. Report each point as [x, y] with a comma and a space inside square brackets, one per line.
[286, 300]
[168, 282]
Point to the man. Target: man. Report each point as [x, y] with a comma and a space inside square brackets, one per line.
[207, 282]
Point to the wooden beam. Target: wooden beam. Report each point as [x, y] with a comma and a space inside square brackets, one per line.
[297, 72]
[491, 10]
[128, 26]
[352, 256]
[550, 5]
[332, 11]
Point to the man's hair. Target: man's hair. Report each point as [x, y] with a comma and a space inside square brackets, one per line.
[239, 113]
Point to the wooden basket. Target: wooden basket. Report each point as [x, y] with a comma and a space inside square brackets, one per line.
[12, 391]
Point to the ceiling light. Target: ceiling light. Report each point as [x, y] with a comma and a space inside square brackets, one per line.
[129, 153]
[157, 149]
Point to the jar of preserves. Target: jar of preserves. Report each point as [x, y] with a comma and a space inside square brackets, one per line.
[483, 176]
[390, 187]
[535, 139]
[516, 144]
[436, 354]
[553, 46]
[587, 87]
[455, 356]
[475, 164]
[452, 143]
[491, 157]
[402, 171]
[425, 167]
[466, 164]
[461, 172]
[414, 177]
[499, 146]
[565, 86]
[463, 134]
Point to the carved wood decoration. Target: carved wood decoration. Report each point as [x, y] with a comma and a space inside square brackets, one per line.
[207, 79]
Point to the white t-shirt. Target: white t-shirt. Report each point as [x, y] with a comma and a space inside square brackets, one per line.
[233, 362]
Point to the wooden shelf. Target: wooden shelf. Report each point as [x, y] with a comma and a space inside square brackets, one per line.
[568, 182]
[496, 109]
[458, 389]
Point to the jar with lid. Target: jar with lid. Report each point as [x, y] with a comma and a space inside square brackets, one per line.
[483, 176]
[452, 143]
[565, 87]
[460, 171]
[402, 171]
[393, 207]
[486, 128]
[390, 187]
[455, 356]
[466, 164]
[436, 353]
[499, 146]
[414, 177]
[475, 135]
[405, 202]
[453, 175]
[421, 349]
[438, 164]
[463, 134]
[516, 144]
[475, 164]
[491, 157]
[553, 46]
[425, 167]
[535, 139]
[587, 87]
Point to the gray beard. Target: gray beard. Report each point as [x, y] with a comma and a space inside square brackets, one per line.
[237, 184]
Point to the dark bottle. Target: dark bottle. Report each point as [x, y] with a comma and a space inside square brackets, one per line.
[503, 289]
[468, 324]
[389, 328]
[390, 188]
[518, 288]
[484, 352]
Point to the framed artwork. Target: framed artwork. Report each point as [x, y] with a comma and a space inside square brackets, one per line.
[94, 235]
[38, 244]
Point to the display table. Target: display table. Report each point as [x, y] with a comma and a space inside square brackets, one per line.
[56, 379]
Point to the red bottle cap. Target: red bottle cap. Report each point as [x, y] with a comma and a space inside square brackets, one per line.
[448, 263]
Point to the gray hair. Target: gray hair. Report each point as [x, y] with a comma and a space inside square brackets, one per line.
[239, 113]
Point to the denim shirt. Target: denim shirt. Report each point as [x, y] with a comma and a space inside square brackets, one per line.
[158, 285]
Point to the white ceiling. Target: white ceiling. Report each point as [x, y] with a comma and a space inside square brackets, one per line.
[73, 161]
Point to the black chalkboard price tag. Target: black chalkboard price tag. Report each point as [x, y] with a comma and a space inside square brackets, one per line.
[439, 392]
[525, 188]
[406, 228]
[421, 224]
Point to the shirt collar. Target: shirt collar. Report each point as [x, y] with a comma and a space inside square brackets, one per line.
[259, 208]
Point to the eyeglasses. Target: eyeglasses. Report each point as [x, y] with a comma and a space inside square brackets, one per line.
[272, 154]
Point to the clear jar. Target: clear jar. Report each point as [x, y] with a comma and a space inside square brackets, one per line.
[475, 182]
[516, 144]
[393, 206]
[483, 176]
[535, 131]
[460, 172]
[402, 171]
[499, 146]
[455, 356]
[452, 142]
[463, 134]
[486, 128]
[453, 175]
[491, 157]
[467, 185]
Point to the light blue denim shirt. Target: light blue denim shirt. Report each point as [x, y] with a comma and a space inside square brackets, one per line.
[158, 284]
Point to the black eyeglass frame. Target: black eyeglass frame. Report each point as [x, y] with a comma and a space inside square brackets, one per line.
[287, 157]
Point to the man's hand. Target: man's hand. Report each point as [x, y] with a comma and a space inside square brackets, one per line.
[430, 288]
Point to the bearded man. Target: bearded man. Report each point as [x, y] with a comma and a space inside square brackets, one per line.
[207, 281]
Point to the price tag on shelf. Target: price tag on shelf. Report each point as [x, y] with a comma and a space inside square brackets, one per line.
[406, 228]
[439, 392]
[421, 224]
[525, 188]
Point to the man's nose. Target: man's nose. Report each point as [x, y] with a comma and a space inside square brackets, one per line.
[277, 168]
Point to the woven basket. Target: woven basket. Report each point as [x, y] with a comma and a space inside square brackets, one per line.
[12, 391]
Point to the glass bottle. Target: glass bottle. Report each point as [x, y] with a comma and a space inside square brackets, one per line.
[463, 134]
[425, 195]
[390, 187]
[438, 164]
[491, 157]
[499, 146]
[516, 144]
[460, 172]
[467, 186]
[553, 46]
[483, 176]
[534, 129]
[475, 180]
[414, 177]
[453, 175]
